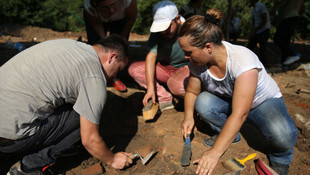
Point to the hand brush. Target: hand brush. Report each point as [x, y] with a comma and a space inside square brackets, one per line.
[235, 164]
[149, 111]
[187, 151]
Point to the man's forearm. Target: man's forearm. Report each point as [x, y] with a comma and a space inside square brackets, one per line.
[99, 150]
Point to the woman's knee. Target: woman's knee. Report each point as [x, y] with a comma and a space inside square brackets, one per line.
[203, 103]
[285, 138]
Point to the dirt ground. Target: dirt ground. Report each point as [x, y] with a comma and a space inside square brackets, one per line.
[124, 129]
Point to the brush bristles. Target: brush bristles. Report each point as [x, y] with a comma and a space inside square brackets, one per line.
[233, 164]
[186, 155]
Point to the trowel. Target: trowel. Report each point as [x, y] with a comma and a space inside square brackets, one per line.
[145, 159]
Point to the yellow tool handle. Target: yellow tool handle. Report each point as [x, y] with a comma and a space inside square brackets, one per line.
[249, 157]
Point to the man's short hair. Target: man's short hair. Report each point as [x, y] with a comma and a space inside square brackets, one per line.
[114, 43]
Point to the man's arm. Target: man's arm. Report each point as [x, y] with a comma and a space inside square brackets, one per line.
[95, 145]
[131, 13]
[150, 76]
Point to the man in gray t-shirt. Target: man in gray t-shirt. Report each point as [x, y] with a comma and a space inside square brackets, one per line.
[52, 96]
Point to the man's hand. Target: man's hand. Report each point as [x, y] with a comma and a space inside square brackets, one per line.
[207, 162]
[147, 96]
[121, 160]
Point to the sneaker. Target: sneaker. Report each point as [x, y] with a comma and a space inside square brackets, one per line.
[291, 59]
[17, 170]
[282, 169]
[210, 141]
[166, 106]
[119, 86]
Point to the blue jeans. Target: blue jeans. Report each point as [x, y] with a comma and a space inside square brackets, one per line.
[271, 118]
[58, 133]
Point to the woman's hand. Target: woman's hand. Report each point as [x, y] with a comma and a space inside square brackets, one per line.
[207, 162]
[187, 125]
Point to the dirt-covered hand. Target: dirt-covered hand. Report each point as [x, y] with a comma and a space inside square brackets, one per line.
[121, 160]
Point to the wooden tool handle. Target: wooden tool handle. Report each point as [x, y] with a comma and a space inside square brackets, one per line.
[249, 157]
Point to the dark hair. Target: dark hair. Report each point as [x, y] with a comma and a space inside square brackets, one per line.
[202, 30]
[114, 43]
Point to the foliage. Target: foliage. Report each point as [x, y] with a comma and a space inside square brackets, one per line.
[64, 15]
[54, 14]
[61, 16]
[303, 30]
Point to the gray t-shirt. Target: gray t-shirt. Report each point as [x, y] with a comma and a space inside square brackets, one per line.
[43, 77]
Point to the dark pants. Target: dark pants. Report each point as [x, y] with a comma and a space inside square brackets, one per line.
[283, 36]
[59, 132]
[114, 27]
[262, 39]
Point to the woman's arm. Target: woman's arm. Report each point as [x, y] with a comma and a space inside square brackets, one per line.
[95, 22]
[243, 96]
[192, 91]
[131, 13]
[244, 92]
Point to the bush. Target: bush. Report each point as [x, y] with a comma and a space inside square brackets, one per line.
[58, 15]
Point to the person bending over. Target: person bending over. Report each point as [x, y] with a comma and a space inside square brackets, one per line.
[52, 97]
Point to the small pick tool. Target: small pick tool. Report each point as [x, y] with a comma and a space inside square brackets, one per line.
[145, 159]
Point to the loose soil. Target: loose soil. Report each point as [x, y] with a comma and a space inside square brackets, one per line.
[124, 129]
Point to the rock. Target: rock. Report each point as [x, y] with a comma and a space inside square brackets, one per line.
[306, 130]
[95, 169]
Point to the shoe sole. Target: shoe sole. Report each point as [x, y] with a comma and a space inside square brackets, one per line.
[292, 61]
[167, 108]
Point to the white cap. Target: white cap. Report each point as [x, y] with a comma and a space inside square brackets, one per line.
[163, 13]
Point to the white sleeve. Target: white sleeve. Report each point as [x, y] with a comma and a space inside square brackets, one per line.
[242, 59]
